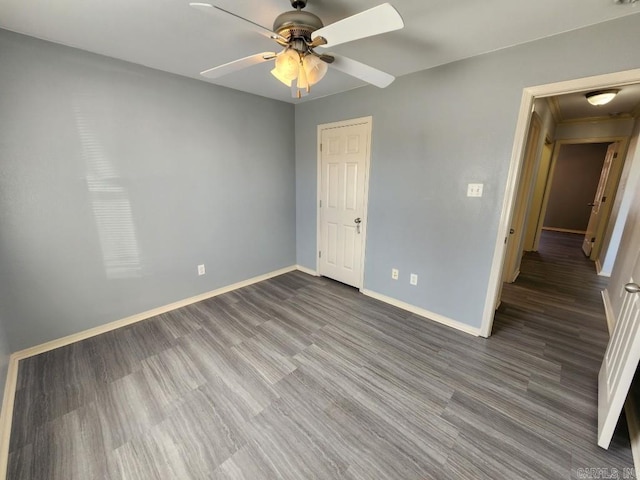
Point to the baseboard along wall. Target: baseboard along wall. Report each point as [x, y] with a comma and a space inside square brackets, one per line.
[12, 374]
[449, 322]
[564, 230]
[6, 415]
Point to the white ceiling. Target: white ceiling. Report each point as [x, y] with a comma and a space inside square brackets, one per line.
[574, 106]
[169, 35]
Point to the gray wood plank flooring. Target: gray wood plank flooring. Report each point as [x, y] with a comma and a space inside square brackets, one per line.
[304, 378]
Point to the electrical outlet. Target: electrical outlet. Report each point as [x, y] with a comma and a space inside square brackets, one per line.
[201, 270]
[413, 279]
[394, 273]
[474, 190]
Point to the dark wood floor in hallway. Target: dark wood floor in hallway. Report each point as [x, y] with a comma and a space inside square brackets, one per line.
[303, 378]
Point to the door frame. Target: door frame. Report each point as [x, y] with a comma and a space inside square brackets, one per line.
[533, 150]
[368, 121]
[538, 205]
[529, 94]
[611, 187]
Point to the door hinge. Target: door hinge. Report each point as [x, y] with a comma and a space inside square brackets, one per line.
[593, 239]
[320, 254]
[604, 199]
[320, 203]
[320, 147]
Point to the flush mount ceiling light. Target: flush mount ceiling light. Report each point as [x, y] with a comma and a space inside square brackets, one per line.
[601, 97]
[300, 33]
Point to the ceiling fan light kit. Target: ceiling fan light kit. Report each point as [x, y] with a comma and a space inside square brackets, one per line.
[298, 65]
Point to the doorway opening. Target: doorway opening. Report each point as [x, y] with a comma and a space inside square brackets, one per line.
[537, 107]
[614, 206]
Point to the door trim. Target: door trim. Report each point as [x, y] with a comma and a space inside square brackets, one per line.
[522, 205]
[529, 94]
[367, 167]
[543, 175]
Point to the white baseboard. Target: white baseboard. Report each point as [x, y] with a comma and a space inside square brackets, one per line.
[6, 415]
[515, 276]
[423, 313]
[564, 230]
[633, 423]
[599, 270]
[92, 332]
[308, 271]
[608, 310]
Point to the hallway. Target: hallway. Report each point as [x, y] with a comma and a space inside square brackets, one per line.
[555, 309]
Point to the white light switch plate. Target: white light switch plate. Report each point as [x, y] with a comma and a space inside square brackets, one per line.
[474, 190]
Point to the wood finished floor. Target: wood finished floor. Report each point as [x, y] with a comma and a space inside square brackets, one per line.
[302, 378]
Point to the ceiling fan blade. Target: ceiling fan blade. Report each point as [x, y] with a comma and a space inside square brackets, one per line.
[381, 19]
[363, 72]
[217, 11]
[231, 67]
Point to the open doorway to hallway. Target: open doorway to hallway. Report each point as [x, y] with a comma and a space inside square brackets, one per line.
[572, 173]
[553, 288]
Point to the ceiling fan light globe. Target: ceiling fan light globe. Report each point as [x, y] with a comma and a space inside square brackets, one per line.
[287, 65]
[276, 74]
[314, 68]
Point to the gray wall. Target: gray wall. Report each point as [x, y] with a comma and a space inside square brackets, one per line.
[575, 180]
[434, 132]
[117, 180]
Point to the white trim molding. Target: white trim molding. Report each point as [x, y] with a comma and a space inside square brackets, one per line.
[599, 269]
[107, 327]
[522, 127]
[6, 416]
[308, 271]
[564, 230]
[436, 317]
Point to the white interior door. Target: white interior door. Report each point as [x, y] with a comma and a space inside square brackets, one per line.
[620, 360]
[513, 256]
[596, 210]
[343, 164]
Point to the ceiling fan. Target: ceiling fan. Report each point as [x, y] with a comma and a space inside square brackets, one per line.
[300, 33]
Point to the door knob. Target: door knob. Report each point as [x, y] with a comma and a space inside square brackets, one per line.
[358, 221]
[512, 231]
[591, 204]
[632, 288]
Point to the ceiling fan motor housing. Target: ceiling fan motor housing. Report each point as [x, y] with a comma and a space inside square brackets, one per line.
[297, 24]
